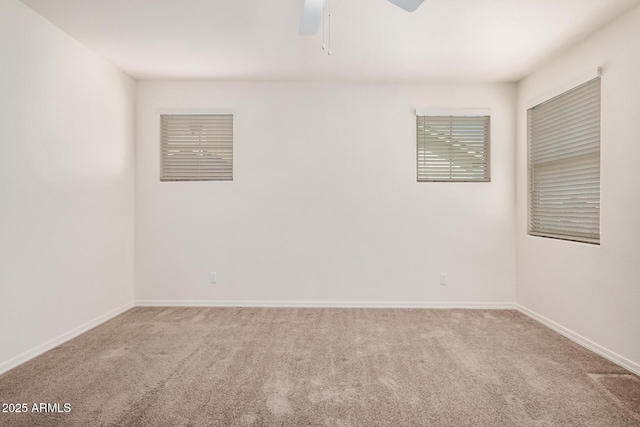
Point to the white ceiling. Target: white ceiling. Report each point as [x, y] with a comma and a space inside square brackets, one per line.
[371, 40]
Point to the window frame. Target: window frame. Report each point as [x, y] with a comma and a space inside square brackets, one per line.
[457, 113]
[190, 112]
[565, 235]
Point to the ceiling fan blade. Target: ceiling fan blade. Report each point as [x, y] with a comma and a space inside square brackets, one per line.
[311, 15]
[408, 5]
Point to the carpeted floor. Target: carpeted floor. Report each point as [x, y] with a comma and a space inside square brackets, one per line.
[322, 367]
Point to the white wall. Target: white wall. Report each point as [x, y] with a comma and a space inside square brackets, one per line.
[324, 206]
[66, 185]
[593, 291]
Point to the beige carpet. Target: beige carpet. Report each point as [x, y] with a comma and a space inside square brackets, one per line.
[322, 367]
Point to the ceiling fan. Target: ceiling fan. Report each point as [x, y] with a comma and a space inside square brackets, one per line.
[312, 13]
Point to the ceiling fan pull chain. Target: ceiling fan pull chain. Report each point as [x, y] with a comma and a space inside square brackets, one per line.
[329, 35]
[324, 3]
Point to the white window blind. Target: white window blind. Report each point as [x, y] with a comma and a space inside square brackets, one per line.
[564, 165]
[196, 147]
[453, 148]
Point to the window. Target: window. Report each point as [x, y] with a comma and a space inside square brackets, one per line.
[196, 147]
[564, 165]
[453, 148]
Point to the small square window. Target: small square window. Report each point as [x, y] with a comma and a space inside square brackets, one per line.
[196, 147]
[453, 148]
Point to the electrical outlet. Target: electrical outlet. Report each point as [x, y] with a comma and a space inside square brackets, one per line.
[213, 277]
[443, 278]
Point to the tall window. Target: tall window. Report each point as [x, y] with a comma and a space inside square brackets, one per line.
[564, 165]
[453, 148]
[196, 147]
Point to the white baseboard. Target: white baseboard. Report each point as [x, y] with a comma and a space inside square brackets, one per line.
[37, 351]
[325, 304]
[596, 348]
